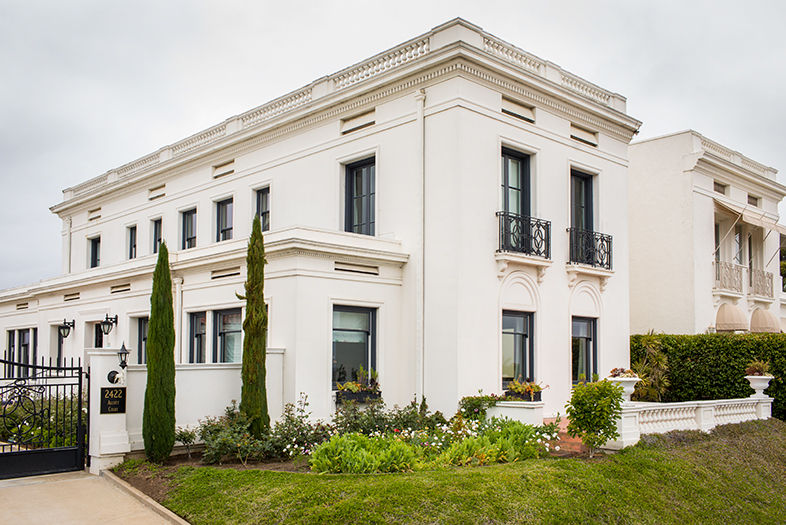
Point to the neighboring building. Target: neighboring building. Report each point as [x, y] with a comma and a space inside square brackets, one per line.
[704, 238]
[451, 212]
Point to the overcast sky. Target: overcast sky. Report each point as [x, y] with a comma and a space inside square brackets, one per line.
[86, 86]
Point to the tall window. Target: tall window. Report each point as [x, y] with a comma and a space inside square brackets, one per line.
[354, 342]
[156, 234]
[360, 195]
[224, 220]
[141, 340]
[196, 347]
[517, 349]
[515, 183]
[98, 336]
[738, 244]
[59, 348]
[584, 349]
[95, 252]
[189, 229]
[717, 243]
[131, 242]
[226, 336]
[581, 200]
[263, 208]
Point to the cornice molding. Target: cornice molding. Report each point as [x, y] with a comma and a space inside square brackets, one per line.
[415, 53]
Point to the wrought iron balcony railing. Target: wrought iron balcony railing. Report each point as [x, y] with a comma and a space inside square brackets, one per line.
[589, 247]
[728, 276]
[522, 234]
[761, 283]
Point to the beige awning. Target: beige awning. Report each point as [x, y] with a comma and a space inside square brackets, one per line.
[752, 217]
[730, 319]
[764, 321]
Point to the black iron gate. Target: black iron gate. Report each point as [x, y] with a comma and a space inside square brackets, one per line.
[43, 418]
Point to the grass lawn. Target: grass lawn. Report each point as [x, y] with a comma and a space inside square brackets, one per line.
[737, 474]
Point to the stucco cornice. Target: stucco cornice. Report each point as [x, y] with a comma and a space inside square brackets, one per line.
[412, 64]
[715, 166]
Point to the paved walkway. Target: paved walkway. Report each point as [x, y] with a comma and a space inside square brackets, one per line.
[74, 497]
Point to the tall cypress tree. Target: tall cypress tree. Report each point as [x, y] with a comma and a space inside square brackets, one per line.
[253, 395]
[158, 419]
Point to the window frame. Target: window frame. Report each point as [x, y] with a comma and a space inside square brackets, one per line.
[367, 226]
[185, 238]
[142, 327]
[94, 252]
[219, 352]
[225, 233]
[588, 212]
[371, 358]
[525, 189]
[528, 351]
[192, 357]
[264, 215]
[157, 233]
[98, 336]
[132, 241]
[592, 347]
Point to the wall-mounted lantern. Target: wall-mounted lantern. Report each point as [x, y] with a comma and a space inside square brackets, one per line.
[108, 323]
[123, 355]
[65, 328]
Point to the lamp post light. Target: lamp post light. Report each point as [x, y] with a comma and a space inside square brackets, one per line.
[108, 323]
[65, 328]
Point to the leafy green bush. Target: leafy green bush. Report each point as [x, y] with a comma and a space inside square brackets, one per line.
[294, 434]
[229, 436]
[712, 366]
[187, 437]
[652, 367]
[593, 410]
[44, 421]
[475, 407]
[358, 454]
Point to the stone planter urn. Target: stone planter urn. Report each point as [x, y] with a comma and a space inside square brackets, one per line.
[628, 386]
[759, 384]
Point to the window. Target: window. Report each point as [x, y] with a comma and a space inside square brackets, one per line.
[515, 183]
[584, 349]
[95, 252]
[581, 200]
[360, 195]
[23, 349]
[263, 208]
[753, 201]
[98, 336]
[141, 340]
[196, 346]
[738, 245]
[226, 336]
[156, 235]
[132, 242]
[719, 187]
[717, 243]
[189, 230]
[354, 342]
[517, 349]
[224, 222]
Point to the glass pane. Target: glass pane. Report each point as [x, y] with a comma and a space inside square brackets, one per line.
[514, 323]
[357, 217]
[343, 336]
[230, 322]
[358, 183]
[230, 346]
[514, 173]
[229, 214]
[350, 320]
[508, 357]
[577, 363]
[582, 328]
[514, 201]
[348, 357]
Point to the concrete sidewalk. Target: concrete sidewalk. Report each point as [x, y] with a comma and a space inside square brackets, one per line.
[74, 497]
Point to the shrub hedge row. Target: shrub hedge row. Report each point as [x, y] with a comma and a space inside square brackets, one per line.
[712, 366]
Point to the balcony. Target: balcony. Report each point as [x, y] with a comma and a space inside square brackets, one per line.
[728, 277]
[590, 248]
[760, 283]
[527, 235]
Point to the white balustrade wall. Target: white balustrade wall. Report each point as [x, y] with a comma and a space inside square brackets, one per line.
[640, 418]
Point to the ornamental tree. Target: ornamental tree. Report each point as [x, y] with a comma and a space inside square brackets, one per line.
[158, 419]
[253, 395]
[593, 411]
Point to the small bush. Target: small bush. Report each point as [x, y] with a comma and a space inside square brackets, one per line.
[593, 410]
[187, 437]
[294, 434]
[475, 407]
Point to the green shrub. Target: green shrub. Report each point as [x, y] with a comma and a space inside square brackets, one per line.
[294, 434]
[187, 437]
[712, 366]
[44, 421]
[475, 407]
[652, 367]
[593, 410]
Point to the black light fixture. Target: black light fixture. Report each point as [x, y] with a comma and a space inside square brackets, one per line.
[123, 355]
[106, 324]
[65, 328]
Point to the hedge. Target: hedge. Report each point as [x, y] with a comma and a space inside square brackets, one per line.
[712, 366]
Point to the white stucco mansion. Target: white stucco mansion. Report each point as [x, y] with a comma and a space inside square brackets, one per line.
[704, 229]
[451, 212]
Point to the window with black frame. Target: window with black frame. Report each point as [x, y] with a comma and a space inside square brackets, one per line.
[516, 226]
[197, 329]
[98, 336]
[157, 233]
[354, 342]
[360, 197]
[131, 242]
[584, 349]
[224, 220]
[227, 326]
[141, 340]
[95, 252]
[188, 233]
[517, 347]
[263, 208]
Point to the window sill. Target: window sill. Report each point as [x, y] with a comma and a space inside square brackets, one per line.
[507, 260]
[576, 270]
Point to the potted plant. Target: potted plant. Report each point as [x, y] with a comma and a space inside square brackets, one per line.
[362, 390]
[526, 390]
[627, 378]
[758, 375]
